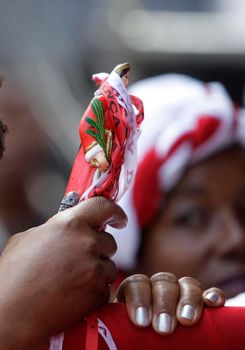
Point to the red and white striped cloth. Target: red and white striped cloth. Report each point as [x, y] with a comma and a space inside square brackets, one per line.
[186, 120]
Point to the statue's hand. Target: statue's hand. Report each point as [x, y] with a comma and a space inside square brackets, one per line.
[101, 162]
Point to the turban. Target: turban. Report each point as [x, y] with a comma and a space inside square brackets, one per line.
[186, 121]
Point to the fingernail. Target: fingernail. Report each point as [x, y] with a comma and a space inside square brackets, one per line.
[164, 323]
[141, 316]
[187, 312]
[212, 296]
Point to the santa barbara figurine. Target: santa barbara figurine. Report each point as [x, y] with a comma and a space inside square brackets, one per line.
[106, 161]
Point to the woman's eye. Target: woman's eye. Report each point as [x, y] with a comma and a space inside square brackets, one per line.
[191, 218]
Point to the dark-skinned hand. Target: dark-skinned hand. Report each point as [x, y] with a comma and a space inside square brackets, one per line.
[54, 274]
[163, 300]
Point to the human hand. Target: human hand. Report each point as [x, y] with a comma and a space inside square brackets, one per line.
[54, 274]
[163, 300]
[102, 163]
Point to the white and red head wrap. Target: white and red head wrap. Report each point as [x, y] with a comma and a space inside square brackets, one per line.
[186, 120]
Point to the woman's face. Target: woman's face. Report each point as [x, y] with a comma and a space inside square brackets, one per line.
[201, 233]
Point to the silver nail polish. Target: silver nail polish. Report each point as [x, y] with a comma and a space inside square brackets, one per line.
[164, 323]
[187, 312]
[212, 296]
[141, 316]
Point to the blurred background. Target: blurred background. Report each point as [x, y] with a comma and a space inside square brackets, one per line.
[49, 50]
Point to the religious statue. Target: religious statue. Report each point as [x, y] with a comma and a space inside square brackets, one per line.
[106, 161]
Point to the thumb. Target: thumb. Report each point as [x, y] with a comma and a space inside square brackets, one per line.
[99, 211]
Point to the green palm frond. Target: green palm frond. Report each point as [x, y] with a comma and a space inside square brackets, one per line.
[99, 126]
[97, 108]
[92, 133]
[91, 123]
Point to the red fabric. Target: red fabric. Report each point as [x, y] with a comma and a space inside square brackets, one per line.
[120, 278]
[139, 105]
[218, 329]
[75, 339]
[115, 120]
[206, 127]
[92, 333]
[147, 178]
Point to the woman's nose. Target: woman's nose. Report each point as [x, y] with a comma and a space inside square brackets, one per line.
[230, 233]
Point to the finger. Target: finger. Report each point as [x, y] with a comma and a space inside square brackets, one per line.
[190, 304]
[165, 295]
[106, 244]
[96, 299]
[135, 291]
[214, 297]
[108, 271]
[97, 212]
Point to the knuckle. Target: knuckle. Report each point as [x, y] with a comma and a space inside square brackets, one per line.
[136, 278]
[190, 282]
[103, 274]
[164, 277]
[90, 247]
[68, 220]
[136, 289]
[134, 281]
[191, 291]
[96, 270]
[113, 272]
[111, 244]
[101, 202]
[165, 290]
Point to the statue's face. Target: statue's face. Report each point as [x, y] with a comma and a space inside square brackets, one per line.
[125, 79]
